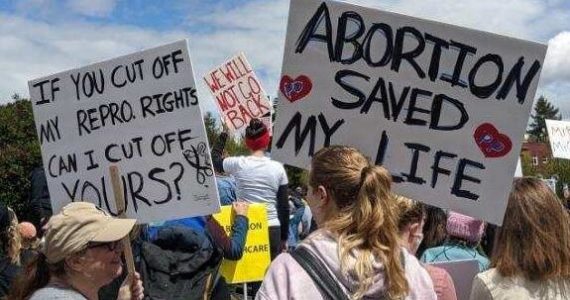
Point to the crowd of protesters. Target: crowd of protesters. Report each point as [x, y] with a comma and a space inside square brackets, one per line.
[346, 235]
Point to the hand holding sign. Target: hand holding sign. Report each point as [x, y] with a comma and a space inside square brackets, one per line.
[240, 207]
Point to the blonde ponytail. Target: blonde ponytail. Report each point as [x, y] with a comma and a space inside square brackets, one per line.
[367, 217]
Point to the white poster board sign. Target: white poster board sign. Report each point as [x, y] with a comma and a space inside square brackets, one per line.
[559, 136]
[140, 112]
[518, 170]
[238, 94]
[443, 108]
[462, 272]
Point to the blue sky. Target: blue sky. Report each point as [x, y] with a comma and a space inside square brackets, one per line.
[40, 37]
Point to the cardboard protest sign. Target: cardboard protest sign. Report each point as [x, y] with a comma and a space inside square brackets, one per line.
[518, 170]
[443, 108]
[140, 112]
[559, 136]
[256, 256]
[238, 93]
[462, 272]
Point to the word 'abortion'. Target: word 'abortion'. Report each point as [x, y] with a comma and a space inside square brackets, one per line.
[380, 45]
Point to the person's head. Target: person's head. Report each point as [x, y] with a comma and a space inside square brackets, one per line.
[28, 233]
[352, 199]
[256, 136]
[434, 228]
[464, 228]
[534, 241]
[82, 243]
[411, 222]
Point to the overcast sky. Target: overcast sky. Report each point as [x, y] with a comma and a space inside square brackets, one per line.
[41, 37]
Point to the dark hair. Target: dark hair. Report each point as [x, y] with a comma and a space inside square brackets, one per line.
[434, 228]
[255, 129]
[35, 276]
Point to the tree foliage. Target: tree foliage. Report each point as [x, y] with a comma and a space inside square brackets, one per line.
[543, 110]
[19, 153]
[234, 146]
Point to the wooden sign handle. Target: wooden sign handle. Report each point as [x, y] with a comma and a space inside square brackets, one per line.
[120, 204]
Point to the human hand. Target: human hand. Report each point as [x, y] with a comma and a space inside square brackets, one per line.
[225, 128]
[132, 291]
[240, 207]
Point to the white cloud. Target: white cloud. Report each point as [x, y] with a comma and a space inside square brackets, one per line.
[92, 8]
[30, 49]
[555, 77]
[256, 28]
[557, 63]
[256, 15]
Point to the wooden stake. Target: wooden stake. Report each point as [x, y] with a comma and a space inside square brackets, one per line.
[120, 203]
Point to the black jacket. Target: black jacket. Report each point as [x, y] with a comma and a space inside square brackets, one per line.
[180, 264]
[40, 204]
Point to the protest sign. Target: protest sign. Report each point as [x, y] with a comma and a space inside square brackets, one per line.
[518, 170]
[238, 93]
[139, 112]
[256, 256]
[443, 108]
[462, 272]
[559, 136]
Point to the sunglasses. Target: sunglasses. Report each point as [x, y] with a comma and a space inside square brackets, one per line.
[111, 246]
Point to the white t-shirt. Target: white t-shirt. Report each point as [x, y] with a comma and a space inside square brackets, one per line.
[257, 179]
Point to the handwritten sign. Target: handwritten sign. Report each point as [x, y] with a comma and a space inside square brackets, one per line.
[518, 170]
[559, 136]
[238, 93]
[140, 112]
[443, 108]
[256, 256]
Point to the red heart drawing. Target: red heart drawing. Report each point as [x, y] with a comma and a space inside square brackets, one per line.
[295, 89]
[491, 142]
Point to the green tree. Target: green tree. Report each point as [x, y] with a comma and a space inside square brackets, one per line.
[212, 130]
[234, 145]
[543, 110]
[19, 153]
[559, 168]
[297, 176]
[528, 169]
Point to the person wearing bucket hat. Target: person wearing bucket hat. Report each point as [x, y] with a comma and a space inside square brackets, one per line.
[464, 234]
[80, 254]
[259, 179]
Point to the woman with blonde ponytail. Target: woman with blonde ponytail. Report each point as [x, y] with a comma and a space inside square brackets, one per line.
[357, 246]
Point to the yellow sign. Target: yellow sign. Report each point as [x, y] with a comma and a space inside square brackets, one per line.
[256, 257]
